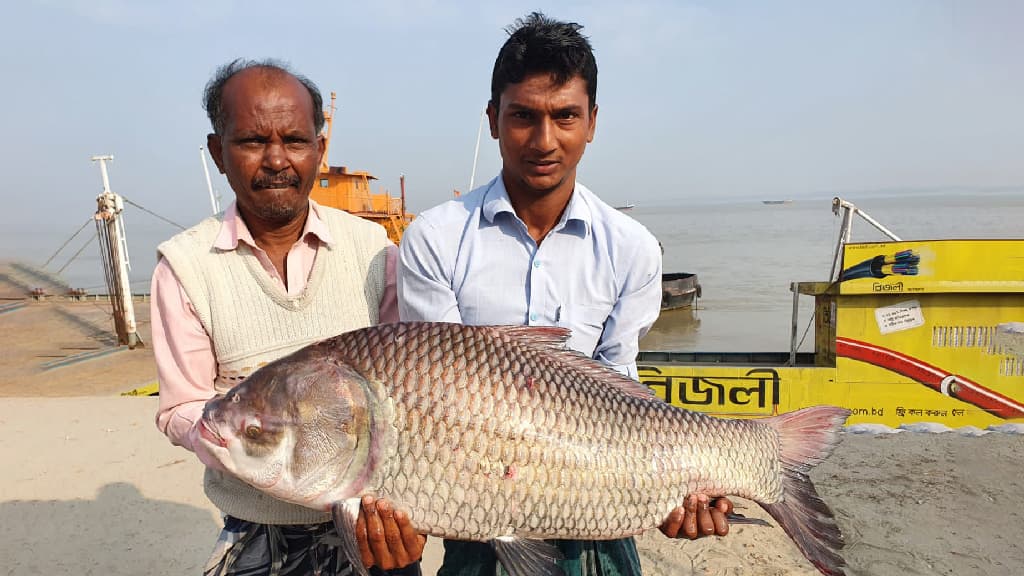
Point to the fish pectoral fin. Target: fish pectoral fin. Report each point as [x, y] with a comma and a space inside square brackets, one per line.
[525, 557]
[736, 518]
[345, 514]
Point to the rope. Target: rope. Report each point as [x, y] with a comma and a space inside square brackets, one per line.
[66, 242]
[811, 321]
[154, 214]
[806, 330]
[68, 263]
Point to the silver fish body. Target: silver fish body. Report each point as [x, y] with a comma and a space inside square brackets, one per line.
[491, 433]
[510, 440]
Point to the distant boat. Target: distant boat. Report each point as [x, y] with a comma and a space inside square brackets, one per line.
[625, 207]
[773, 202]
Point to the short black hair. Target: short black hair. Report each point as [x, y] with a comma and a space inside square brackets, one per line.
[213, 94]
[538, 43]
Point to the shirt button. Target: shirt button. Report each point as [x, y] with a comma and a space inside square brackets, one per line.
[533, 317]
[536, 263]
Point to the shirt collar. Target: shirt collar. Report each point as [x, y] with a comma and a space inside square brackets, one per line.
[577, 213]
[233, 229]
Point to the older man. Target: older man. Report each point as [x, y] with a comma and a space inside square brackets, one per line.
[271, 274]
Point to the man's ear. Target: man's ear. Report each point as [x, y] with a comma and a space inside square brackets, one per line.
[593, 124]
[321, 144]
[213, 145]
[492, 118]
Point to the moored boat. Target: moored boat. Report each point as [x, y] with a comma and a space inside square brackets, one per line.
[679, 290]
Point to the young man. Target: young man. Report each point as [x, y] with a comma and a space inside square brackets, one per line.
[535, 247]
[271, 274]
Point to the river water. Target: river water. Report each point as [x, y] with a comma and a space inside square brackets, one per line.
[747, 253]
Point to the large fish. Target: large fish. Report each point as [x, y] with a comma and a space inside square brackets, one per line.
[501, 434]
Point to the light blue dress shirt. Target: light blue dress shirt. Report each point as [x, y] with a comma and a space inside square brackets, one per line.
[472, 261]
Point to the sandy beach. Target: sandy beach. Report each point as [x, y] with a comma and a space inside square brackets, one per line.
[91, 487]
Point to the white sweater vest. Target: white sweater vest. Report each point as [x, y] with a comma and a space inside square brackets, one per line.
[252, 321]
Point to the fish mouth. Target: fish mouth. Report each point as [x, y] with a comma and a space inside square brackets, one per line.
[210, 434]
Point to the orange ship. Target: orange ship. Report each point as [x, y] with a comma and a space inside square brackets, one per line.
[350, 191]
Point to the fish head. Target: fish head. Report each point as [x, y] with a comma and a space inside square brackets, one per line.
[296, 429]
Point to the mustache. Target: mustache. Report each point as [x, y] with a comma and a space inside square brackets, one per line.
[275, 181]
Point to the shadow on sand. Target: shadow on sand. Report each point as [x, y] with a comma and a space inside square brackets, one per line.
[121, 532]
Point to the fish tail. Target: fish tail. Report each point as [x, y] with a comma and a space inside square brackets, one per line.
[806, 438]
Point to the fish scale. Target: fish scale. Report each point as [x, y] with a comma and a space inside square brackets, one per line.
[604, 464]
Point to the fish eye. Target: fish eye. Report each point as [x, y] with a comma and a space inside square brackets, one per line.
[253, 431]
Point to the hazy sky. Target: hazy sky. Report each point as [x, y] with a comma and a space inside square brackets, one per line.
[698, 100]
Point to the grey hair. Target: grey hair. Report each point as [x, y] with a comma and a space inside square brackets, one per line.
[213, 94]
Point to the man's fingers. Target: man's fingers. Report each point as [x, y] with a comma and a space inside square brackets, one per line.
[375, 536]
[362, 539]
[392, 535]
[704, 520]
[698, 516]
[721, 508]
[670, 527]
[690, 519]
[721, 522]
[411, 540]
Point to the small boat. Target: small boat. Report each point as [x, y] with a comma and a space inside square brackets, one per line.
[679, 290]
[625, 207]
[776, 202]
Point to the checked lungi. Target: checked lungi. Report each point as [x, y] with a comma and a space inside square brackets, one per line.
[248, 549]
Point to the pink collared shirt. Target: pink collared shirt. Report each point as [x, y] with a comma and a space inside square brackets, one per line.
[185, 362]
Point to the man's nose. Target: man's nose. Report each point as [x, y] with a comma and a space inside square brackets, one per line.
[274, 158]
[543, 136]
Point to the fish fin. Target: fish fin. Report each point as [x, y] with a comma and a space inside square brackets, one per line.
[550, 336]
[806, 438]
[345, 514]
[555, 338]
[735, 518]
[610, 377]
[527, 557]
